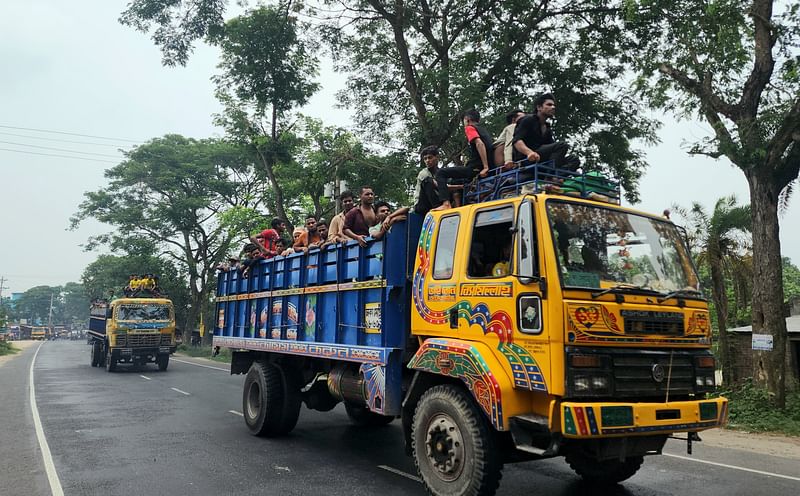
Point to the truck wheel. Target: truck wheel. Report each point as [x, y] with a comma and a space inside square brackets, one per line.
[95, 355]
[101, 356]
[453, 444]
[606, 471]
[111, 363]
[364, 417]
[270, 400]
[163, 362]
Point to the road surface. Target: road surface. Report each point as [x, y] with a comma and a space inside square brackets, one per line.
[181, 432]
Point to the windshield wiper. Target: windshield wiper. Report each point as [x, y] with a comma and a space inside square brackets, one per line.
[619, 288]
[679, 292]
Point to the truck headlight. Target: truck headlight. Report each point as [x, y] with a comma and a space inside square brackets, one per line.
[581, 384]
[599, 382]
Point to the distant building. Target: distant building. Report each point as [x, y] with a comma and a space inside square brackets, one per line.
[742, 344]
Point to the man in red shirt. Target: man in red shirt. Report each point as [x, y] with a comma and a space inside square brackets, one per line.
[481, 158]
[266, 239]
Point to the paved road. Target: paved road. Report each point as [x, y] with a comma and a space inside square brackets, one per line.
[180, 432]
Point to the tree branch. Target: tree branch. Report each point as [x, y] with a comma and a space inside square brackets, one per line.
[702, 91]
[765, 38]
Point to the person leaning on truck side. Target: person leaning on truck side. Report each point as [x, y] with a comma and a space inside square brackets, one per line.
[533, 136]
[335, 233]
[309, 238]
[480, 159]
[358, 219]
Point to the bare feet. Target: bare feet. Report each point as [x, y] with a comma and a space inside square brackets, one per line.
[443, 206]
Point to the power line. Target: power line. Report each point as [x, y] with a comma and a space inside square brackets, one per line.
[69, 134]
[63, 140]
[59, 149]
[59, 156]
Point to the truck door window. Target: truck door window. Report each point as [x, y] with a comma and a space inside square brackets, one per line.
[445, 247]
[490, 253]
[526, 242]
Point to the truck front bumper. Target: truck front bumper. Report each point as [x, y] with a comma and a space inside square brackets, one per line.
[600, 419]
[129, 353]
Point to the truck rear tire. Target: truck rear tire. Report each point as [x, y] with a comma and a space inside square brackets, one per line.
[97, 352]
[364, 417]
[270, 400]
[163, 362]
[453, 444]
[606, 471]
[111, 363]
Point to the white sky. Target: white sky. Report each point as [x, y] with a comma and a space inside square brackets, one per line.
[71, 67]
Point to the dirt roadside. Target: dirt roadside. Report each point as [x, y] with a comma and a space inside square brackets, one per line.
[20, 345]
[766, 444]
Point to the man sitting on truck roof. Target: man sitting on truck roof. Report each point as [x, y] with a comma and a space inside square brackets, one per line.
[533, 136]
[425, 196]
[480, 159]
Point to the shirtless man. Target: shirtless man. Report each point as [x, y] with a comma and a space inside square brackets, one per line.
[359, 219]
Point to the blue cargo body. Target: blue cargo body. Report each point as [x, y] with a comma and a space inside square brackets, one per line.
[340, 303]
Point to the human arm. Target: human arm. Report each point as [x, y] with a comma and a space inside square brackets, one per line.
[483, 154]
[263, 249]
[522, 129]
[350, 234]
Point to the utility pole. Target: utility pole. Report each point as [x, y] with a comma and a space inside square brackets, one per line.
[50, 317]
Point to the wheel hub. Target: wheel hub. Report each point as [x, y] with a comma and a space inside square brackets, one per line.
[253, 401]
[445, 447]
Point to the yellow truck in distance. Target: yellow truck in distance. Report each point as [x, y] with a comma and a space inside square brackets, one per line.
[132, 330]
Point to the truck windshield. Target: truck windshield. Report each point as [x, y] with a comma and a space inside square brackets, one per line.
[596, 244]
[143, 312]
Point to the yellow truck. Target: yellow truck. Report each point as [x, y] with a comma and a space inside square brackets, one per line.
[517, 327]
[132, 330]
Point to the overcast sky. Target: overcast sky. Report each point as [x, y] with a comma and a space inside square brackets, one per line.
[71, 67]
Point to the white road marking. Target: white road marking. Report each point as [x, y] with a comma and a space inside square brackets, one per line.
[278, 467]
[145, 377]
[734, 467]
[236, 413]
[179, 391]
[400, 473]
[200, 365]
[49, 467]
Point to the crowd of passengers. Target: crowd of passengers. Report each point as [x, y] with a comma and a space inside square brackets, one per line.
[526, 138]
[142, 285]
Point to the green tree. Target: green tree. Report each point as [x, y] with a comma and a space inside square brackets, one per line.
[734, 64]
[76, 304]
[35, 304]
[719, 239]
[415, 65]
[791, 280]
[171, 192]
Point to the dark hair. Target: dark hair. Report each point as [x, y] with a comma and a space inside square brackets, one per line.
[510, 116]
[280, 241]
[311, 216]
[472, 115]
[429, 150]
[250, 247]
[541, 99]
[276, 223]
[322, 222]
[380, 204]
[366, 187]
[346, 194]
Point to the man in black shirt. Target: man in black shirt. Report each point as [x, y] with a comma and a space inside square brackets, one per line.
[479, 162]
[533, 137]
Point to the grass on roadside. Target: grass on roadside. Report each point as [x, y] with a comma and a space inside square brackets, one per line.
[6, 348]
[205, 352]
[750, 410]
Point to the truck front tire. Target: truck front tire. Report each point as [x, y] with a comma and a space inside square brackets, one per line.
[454, 446]
[606, 471]
[110, 362]
[270, 400]
[163, 362]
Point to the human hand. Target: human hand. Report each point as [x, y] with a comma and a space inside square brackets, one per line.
[509, 165]
[361, 241]
[484, 172]
[533, 157]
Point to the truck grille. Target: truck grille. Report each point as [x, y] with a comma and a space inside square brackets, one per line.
[633, 374]
[647, 322]
[143, 340]
[166, 340]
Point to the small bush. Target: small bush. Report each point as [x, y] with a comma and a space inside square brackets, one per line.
[205, 352]
[6, 348]
[750, 409]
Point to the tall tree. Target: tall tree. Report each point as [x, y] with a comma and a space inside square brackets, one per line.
[734, 64]
[719, 240]
[267, 70]
[35, 305]
[171, 192]
[422, 62]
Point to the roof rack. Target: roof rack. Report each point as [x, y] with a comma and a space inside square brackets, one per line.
[541, 177]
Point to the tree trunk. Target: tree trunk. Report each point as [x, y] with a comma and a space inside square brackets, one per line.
[770, 366]
[720, 295]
